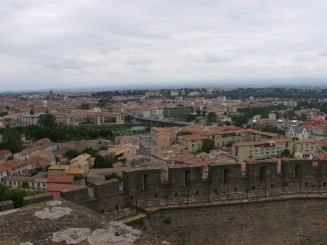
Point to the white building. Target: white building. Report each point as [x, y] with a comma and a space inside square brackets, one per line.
[297, 132]
[3, 173]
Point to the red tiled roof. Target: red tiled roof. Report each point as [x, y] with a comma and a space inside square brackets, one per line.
[59, 187]
[68, 179]
[5, 152]
[194, 137]
[306, 141]
[3, 169]
[254, 143]
[33, 160]
[321, 156]
[7, 165]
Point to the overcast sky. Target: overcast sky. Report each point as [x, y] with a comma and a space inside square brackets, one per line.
[85, 43]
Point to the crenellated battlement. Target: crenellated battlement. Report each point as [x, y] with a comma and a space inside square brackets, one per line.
[145, 186]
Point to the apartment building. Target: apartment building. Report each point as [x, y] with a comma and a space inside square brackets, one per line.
[316, 127]
[227, 135]
[27, 119]
[265, 149]
[96, 117]
[15, 166]
[305, 145]
[260, 150]
[164, 136]
[192, 143]
[33, 183]
[223, 138]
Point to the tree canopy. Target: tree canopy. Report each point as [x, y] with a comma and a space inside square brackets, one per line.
[47, 120]
[104, 162]
[85, 106]
[11, 140]
[128, 118]
[64, 134]
[16, 195]
[208, 145]
[212, 117]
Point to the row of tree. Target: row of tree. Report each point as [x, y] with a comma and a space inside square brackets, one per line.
[245, 93]
[16, 195]
[11, 137]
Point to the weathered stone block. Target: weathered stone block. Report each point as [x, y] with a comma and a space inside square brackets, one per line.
[262, 172]
[322, 169]
[185, 176]
[142, 179]
[224, 173]
[6, 205]
[106, 188]
[294, 169]
[37, 199]
[77, 194]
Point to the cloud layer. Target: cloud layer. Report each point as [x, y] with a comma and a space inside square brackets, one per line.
[80, 43]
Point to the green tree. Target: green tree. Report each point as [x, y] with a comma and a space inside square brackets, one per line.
[3, 113]
[85, 106]
[197, 120]
[272, 129]
[104, 162]
[25, 184]
[90, 151]
[230, 143]
[184, 133]
[103, 102]
[211, 117]
[16, 195]
[70, 154]
[11, 140]
[291, 115]
[191, 117]
[3, 190]
[239, 120]
[286, 153]
[128, 118]
[304, 117]
[208, 145]
[47, 120]
[227, 123]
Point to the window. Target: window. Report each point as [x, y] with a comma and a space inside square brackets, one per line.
[263, 173]
[226, 177]
[144, 181]
[187, 178]
[298, 171]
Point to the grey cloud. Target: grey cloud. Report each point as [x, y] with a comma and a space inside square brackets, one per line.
[324, 53]
[73, 42]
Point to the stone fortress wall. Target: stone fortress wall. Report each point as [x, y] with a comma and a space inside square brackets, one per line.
[146, 184]
[290, 209]
[301, 221]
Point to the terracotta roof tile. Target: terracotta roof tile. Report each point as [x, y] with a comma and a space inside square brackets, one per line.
[61, 179]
